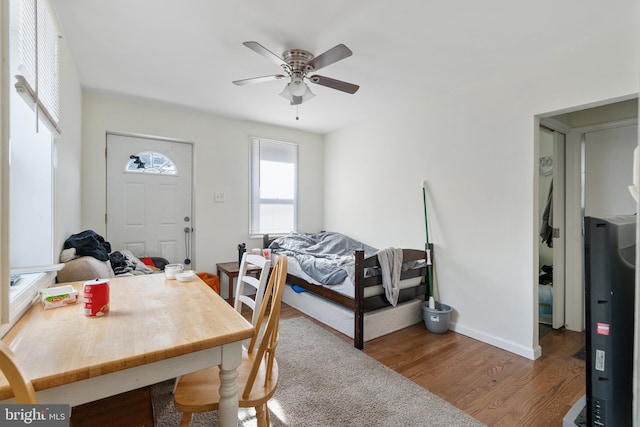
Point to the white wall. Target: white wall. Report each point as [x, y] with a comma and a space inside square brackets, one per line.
[609, 171]
[68, 157]
[221, 151]
[475, 147]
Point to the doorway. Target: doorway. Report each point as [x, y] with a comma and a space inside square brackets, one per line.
[149, 197]
[598, 168]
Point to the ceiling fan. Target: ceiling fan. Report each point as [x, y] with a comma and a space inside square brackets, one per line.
[298, 64]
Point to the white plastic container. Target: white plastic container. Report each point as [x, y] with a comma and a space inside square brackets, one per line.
[170, 270]
[185, 276]
[58, 296]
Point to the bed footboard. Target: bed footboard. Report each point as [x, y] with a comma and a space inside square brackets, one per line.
[363, 305]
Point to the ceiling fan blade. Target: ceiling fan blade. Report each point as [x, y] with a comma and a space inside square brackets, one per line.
[334, 54]
[258, 48]
[259, 79]
[334, 84]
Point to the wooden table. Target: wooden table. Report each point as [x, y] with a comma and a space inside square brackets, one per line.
[157, 329]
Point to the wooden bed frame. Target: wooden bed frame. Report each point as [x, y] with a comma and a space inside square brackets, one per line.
[359, 304]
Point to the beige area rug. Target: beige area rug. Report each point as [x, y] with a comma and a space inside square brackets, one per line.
[325, 381]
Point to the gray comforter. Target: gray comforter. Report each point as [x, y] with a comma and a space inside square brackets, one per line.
[326, 257]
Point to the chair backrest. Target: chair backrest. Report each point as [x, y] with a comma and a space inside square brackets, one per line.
[267, 337]
[257, 283]
[22, 388]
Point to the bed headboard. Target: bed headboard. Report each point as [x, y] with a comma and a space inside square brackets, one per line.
[266, 240]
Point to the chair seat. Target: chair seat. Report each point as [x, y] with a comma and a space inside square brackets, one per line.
[200, 391]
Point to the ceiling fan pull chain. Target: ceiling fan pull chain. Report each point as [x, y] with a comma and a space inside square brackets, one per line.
[297, 118]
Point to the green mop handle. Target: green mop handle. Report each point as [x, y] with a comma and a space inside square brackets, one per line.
[427, 248]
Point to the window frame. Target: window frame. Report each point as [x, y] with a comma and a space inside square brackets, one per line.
[17, 299]
[256, 146]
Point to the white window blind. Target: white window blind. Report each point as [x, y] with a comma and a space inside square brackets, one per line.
[38, 81]
[274, 200]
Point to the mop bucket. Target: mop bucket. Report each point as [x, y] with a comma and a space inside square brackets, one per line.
[437, 319]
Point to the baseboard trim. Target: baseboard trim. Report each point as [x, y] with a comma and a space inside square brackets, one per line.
[530, 353]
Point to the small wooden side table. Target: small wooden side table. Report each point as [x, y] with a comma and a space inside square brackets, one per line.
[232, 271]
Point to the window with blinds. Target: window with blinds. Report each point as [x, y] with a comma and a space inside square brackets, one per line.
[274, 174]
[28, 188]
[37, 79]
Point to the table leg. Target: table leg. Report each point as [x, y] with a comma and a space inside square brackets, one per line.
[228, 407]
[230, 277]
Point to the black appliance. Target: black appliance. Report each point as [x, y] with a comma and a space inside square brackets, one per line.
[610, 254]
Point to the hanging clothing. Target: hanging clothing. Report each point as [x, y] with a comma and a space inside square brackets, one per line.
[546, 228]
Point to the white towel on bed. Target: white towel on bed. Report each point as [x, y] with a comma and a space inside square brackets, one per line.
[391, 266]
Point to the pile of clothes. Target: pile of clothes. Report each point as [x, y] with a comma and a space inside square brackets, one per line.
[87, 243]
[90, 243]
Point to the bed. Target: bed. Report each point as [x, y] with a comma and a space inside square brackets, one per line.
[352, 292]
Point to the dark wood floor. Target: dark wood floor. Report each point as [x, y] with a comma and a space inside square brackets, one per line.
[494, 386]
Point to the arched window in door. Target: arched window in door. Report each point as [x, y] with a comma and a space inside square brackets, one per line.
[151, 162]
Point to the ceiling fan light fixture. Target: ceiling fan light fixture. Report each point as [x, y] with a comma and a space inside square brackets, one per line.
[295, 90]
[298, 87]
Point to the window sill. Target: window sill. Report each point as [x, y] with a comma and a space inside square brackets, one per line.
[24, 293]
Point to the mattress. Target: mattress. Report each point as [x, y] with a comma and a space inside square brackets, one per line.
[346, 287]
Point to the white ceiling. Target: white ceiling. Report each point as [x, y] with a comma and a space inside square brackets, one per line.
[187, 52]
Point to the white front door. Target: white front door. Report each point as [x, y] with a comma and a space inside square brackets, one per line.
[149, 207]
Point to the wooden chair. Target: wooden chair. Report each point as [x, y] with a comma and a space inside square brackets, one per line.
[257, 284]
[244, 279]
[253, 301]
[258, 372]
[22, 388]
